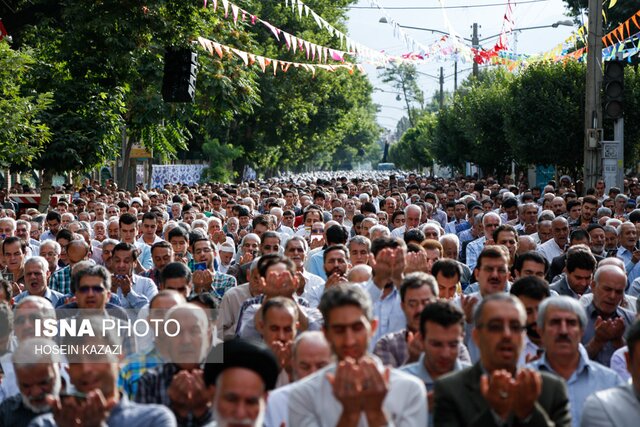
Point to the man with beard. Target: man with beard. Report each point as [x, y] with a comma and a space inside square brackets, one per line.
[241, 381]
[179, 383]
[598, 240]
[494, 392]
[96, 378]
[37, 376]
[561, 321]
[531, 291]
[335, 264]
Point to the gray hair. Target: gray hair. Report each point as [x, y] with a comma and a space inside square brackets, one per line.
[379, 228]
[44, 264]
[106, 242]
[564, 303]
[452, 237]
[28, 353]
[300, 239]
[607, 269]
[52, 243]
[603, 211]
[360, 240]
[313, 336]
[45, 307]
[610, 229]
[253, 236]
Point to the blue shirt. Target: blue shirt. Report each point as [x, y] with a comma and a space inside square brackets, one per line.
[417, 369]
[316, 265]
[633, 270]
[604, 357]
[126, 413]
[588, 378]
[388, 311]
[53, 296]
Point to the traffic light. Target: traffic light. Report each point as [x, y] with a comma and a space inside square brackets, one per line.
[613, 88]
[179, 80]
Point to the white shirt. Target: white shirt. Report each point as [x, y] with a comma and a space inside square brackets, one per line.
[277, 413]
[313, 289]
[550, 249]
[312, 403]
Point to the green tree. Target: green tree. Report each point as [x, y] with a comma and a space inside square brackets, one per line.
[22, 133]
[413, 151]
[450, 147]
[482, 112]
[404, 78]
[545, 121]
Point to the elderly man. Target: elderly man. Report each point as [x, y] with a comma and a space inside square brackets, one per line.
[97, 379]
[556, 246]
[50, 250]
[356, 386]
[310, 353]
[618, 406]
[561, 322]
[178, 384]
[37, 375]
[27, 311]
[606, 320]
[36, 274]
[240, 381]
[494, 391]
[490, 221]
[628, 250]
[412, 215]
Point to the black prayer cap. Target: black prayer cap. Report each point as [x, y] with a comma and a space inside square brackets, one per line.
[239, 353]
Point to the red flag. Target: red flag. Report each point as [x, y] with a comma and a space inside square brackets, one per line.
[3, 31]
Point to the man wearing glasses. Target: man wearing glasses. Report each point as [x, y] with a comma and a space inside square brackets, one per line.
[494, 392]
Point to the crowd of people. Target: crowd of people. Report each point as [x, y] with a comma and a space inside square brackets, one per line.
[324, 299]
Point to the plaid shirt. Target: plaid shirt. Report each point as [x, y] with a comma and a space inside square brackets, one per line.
[153, 387]
[392, 349]
[222, 282]
[61, 280]
[133, 367]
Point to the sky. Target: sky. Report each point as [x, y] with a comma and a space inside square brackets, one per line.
[364, 27]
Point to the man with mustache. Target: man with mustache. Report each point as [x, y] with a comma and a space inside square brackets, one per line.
[37, 376]
[404, 346]
[492, 272]
[561, 322]
[531, 291]
[335, 264]
[494, 392]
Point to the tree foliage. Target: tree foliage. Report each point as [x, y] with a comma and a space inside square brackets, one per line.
[103, 64]
[413, 151]
[615, 11]
[22, 133]
[545, 121]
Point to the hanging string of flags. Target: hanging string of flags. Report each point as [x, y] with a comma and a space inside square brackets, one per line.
[264, 62]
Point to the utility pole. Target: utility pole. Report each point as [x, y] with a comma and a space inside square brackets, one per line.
[455, 76]
[475, 43]
[441, 87]
[593, 109]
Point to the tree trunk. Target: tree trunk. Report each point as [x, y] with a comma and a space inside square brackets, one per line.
[127, 141]
[46, 189]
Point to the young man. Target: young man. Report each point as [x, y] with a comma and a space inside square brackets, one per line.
[356, 386]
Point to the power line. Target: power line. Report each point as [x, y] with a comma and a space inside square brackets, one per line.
[446, 7]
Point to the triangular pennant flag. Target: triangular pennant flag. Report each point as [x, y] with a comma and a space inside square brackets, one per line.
[218, 49]
[294, 45]
[273, 29]
[300, 9]
[242, 55]
[287, 39]
[225, 5]
[306, 10]
[215, 5]
[316, 18]
[234, 11]
[254, 19]
[252, 58]
[275, 66]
